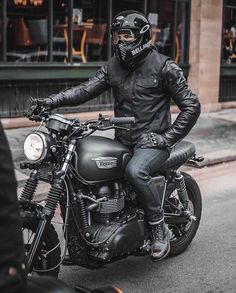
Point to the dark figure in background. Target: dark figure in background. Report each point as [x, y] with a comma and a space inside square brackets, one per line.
[143, 83]
[12, 266]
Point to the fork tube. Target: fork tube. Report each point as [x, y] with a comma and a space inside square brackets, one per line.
[47, 214]
[52, 200]
[35, 244]
[71, 150]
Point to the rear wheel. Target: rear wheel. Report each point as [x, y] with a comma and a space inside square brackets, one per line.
[183, 233]
[48, 258]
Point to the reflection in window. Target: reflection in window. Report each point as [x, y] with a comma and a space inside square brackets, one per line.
[229, 33]
[169, 29]
[38, 31]
[29, 26]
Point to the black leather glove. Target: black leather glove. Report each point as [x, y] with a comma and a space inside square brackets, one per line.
[37, 106]
[151, 140]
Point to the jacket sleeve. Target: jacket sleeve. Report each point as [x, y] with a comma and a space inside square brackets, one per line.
[83, 92]
[177, 88]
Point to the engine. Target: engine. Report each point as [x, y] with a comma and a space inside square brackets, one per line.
[114, 228]
[111, 199]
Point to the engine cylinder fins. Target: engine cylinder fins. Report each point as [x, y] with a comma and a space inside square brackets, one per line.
[111, 206]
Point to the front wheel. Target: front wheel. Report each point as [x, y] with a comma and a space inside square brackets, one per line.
[48, 258]
[182, 234]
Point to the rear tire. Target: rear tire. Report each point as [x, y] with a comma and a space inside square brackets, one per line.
[49, 241]
[183, 234]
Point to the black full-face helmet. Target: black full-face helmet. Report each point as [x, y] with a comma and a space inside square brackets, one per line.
[131, 35]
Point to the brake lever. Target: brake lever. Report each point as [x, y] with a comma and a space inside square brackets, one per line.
[113, 127]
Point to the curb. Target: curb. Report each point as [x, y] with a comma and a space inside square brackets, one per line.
[217, 157]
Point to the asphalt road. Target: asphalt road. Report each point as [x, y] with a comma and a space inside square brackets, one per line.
[207, 266]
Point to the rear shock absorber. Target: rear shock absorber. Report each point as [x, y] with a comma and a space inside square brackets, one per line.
[182, 191]
[30, 187]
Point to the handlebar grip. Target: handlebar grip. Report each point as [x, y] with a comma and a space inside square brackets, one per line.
[122, 120]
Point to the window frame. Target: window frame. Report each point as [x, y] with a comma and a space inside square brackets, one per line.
[49, 62]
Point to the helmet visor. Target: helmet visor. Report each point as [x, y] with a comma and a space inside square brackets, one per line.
[125, 36]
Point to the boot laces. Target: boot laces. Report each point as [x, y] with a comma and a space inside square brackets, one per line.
[157, 232]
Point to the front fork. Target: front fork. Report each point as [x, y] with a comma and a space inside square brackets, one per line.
[52, 200]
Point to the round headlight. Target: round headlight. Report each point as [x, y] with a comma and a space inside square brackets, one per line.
[35, 146]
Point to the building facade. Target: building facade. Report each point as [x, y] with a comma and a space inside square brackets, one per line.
[49, 45]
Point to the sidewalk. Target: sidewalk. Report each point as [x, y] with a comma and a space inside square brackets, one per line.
[214, 136]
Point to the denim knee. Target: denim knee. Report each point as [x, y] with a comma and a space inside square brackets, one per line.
[133, 173]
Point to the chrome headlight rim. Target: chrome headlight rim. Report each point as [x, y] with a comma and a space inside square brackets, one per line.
[45, 146]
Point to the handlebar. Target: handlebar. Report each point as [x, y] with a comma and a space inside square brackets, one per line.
[102, 123]
[122, 120]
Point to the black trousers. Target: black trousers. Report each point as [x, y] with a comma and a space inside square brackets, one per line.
[12, 273]
[142, 165]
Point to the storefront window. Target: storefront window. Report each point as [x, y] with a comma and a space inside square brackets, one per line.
[168, 19]
[229, 32]
[77, 31]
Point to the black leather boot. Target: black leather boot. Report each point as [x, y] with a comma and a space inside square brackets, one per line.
[160, 239]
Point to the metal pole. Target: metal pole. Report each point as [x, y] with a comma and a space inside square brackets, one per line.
[70, 29]
[173, 51]
[183, 33]
[109, 25]
[187, 32]
[4, 30]
[50, 30]
[145, 7]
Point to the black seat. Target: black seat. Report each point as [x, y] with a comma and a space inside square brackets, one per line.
[180, 154]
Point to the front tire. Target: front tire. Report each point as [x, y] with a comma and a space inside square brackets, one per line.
[183, 234]
[44, 262]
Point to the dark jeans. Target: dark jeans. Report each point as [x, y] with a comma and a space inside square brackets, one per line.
[142, 165]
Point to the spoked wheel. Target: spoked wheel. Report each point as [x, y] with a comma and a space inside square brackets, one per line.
[183, 232]
[47, 258]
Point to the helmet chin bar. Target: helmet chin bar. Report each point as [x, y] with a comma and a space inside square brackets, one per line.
[126, 53]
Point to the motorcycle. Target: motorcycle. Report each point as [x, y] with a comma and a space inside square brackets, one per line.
[102, 220]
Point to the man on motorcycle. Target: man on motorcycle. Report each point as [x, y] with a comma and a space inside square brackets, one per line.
[143, 83]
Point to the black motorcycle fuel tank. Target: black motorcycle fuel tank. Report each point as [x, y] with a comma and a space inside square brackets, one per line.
[101, 159]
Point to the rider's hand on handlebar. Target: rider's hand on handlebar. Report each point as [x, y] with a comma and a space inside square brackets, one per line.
[37, 106]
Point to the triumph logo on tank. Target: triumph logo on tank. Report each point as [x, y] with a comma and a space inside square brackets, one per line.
[140, 48]
[105, 162]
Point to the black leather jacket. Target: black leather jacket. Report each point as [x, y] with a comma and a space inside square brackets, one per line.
[144, 92]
